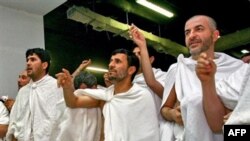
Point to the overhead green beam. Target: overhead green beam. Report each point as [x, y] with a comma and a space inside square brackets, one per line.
[229, 41]
[102, 23]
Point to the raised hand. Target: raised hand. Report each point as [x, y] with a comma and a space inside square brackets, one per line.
[81, 67]
[205, 68]
[137, 36]
[84, 64]
[106, 80]
[64, 79]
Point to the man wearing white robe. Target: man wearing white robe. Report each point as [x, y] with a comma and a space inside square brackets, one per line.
[201, 34]
[159, 76]
[153, 78]
[241, 112]
[184, 86]
[33, 116]
[229, 93]
[188, 90]
[129, 110]
[86, 122]
[4, 120]
[129, 116]
[80, 124]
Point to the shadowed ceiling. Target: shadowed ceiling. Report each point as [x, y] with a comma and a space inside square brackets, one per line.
[231, 18]
[97, 42]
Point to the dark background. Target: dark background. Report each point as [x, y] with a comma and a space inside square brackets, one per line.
[70, 42]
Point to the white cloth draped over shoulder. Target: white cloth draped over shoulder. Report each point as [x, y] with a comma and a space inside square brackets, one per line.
[80, 124]
[128, 116]
[4, 116]
[161, 77]
[231, 88]
[188, 90]
[235, 94]
[33, 115]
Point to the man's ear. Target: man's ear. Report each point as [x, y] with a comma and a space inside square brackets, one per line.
[216, 35]
[151, 59]
[131, 70]
[45, 65]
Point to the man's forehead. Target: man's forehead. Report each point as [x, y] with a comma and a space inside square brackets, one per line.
[119, 55]
[195, 22]
[33, 56]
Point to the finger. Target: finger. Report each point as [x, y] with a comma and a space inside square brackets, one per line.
[211, 62]
[59, 79]
[199, 66]
[66, 72]
[85, 61]
[132, 26]
[130, 33]
[135, 30]
[202, 71]
[203, 55]
[202, 62]
[89, 61]
[178, 108]
[58, 75]
[58, 84]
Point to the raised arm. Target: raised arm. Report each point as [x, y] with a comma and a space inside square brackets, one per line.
[212, 105]
[81, 67]
[147, 70]
[64, 79]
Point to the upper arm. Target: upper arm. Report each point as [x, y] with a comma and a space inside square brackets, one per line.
[3, 130]
[157, 88]
[4, 116]
[172, 98]
[168, 106]
[84, 101]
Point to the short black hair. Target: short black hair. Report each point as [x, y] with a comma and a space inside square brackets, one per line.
[152, 51]
[244, 55]
[131, 58]
[42, 54]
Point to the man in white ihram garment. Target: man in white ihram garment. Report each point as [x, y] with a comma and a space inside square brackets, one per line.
[129, 110]
[182, 103]
[160, 78]
[86, 122]
[4, 121]
[33, 115]
[155, 79]
[184, 88]
[222, 97]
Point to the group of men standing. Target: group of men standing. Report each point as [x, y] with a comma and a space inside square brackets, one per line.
[187, 103]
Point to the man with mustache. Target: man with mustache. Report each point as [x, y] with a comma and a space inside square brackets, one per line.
[129, 111]
[182, 95]
[33, 115]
